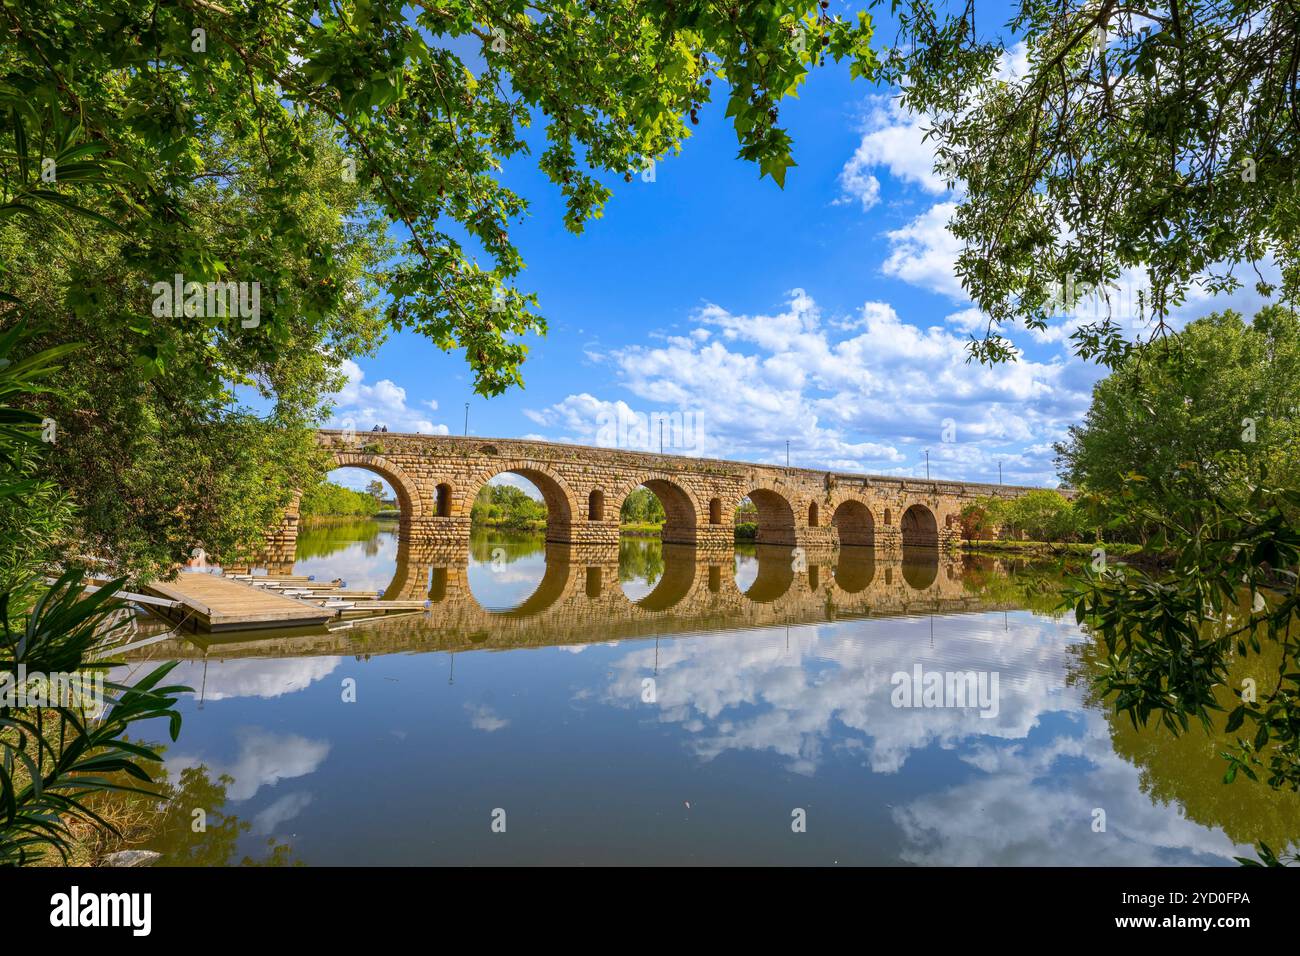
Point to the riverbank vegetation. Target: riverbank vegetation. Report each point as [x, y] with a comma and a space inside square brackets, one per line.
[57, 756]
[505, 506]
[1186, 443]
[642, 513]
[330, 500]
[1041, 515]
[188, 424]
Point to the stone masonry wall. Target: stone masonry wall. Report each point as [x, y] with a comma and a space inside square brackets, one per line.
[436, 478]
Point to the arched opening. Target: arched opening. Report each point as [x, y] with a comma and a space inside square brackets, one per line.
[920, 532]
[593, 583]
[640, 565]
[767, 574]
[813, 513]
[349, 529]
[715, 511]
[889, 516]
[772, 515]
[512, 515]
[919, 527]
[667, 584]
[855, 569]
[853, 521]
[438, 585]
[522, 500]
[518, 580]
[661, 507]
[442, 500]
[920, 567]
[596, 506]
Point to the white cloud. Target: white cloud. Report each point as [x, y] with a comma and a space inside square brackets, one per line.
[486, 719]
[363, 406]
[861, 392]
[812, 696]
[281, 811]
[894, 139]
[924, 252]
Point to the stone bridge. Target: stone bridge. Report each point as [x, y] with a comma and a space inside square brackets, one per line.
[437, 477]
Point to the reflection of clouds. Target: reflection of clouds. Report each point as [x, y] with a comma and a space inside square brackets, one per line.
[507, 587]
[748, 692]
[281, 811]
[260, 677]
[1024, 801]
[485, 718]
[364, 565]
[746, 571]
[637, 588]
[1022, 810]
[263, 759]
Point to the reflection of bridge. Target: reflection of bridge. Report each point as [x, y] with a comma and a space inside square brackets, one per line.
[580, 600]
[436, 479]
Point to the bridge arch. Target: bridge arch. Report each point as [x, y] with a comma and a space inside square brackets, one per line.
[776, 522]
[774, 573]
[854, 570]
[561, 505]
[920, 567]
[853, 520]
[681, 510]
[919, 527]
[409, 499]
[556, 584]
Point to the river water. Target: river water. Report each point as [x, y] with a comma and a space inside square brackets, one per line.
[680, 708]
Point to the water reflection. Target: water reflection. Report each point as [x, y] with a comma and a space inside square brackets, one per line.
[623, 686]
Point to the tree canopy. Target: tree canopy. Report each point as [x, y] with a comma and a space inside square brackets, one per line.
[1221, 384]
[344, 159]
[1105, 144]
[124, 102]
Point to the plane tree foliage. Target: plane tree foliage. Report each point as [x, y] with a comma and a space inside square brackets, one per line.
[426, 102]
[1094, 144]
[1099, 143]
[156, 439]
[350, 159]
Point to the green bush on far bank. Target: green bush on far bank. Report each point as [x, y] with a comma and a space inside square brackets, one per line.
[505, 506]
[330, 500]
[1041, 515]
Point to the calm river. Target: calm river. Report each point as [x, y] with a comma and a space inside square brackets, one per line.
[681, 708]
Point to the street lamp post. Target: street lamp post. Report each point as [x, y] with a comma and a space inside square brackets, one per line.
[927, 464]
[787, 453]
[467, 419]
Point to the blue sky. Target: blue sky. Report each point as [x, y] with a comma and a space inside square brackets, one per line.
[825, 314]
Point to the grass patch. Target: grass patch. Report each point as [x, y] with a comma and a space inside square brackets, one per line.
[641, 529]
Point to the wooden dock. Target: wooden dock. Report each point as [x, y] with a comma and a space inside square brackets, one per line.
[211, 602]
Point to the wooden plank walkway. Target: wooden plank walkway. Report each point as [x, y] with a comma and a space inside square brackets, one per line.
[211, 602]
